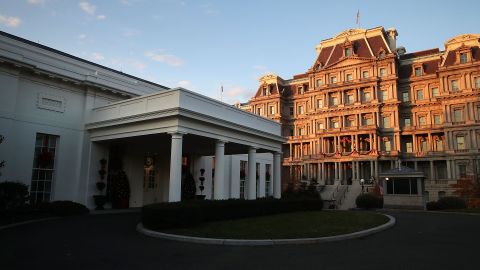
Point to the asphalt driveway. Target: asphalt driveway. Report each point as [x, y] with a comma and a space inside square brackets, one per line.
[418, 241]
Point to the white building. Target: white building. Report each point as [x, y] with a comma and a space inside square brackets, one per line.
[60, 115]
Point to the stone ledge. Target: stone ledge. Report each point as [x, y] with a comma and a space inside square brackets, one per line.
[266, 242]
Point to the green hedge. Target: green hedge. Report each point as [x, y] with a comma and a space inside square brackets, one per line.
[189, 214]
[368, 201]
[447, 203]
[12, 195]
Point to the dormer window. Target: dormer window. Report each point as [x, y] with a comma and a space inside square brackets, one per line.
[300, 90]
[381, 55]
[348, 52]
[264, 92]
[463, 58]
[418, 71]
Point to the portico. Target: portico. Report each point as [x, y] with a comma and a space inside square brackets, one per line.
[179, 127]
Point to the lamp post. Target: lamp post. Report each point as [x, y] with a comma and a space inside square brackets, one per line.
[362, 181]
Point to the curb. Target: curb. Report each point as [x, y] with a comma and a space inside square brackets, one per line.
[26, 222]
[266, 242]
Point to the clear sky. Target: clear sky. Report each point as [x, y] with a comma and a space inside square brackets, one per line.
[201, 45]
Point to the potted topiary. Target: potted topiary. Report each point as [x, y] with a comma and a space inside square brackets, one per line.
[120, 191]
[101, 199]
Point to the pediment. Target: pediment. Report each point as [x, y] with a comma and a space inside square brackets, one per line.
[349, 61]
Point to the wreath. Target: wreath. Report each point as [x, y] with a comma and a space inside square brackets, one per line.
[45, 159]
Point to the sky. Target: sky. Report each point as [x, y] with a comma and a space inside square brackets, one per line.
[202, 45]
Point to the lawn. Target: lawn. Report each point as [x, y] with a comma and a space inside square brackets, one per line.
[286, 226]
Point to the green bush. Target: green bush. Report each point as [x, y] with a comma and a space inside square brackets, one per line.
[432, 206]
[451, 203]
[12, 195]
[63, 208]
[189, 214]
[368, 201]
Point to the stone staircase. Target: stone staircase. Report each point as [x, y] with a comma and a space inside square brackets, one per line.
[340, 197]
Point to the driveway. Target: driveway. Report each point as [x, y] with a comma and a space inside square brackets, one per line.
[419, 240]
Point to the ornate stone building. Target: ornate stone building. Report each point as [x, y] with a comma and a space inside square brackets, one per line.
[365, 104]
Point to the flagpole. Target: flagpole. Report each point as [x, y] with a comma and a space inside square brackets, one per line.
[221, 94]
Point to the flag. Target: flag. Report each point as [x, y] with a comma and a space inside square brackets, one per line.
[358, 17]
[222, 89]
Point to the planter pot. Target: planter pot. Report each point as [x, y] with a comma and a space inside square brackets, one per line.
[100, 200]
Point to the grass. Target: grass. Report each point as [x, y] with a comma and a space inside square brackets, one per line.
[286, 226]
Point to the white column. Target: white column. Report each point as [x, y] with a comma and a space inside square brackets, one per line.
[219, 179]
[252, 173]
[175, 185]
[277, 179]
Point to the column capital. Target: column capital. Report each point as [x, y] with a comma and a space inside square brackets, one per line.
[177, 134]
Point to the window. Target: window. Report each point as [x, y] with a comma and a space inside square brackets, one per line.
[348, 52]
[439, 145]
[409, 147]
[268, 176]
[420, 94]
[422, 120]
[386, 121]
[383, 72]
[264, 93]
[457, 115]
[334, 101]
[365, 74]
[437, 120]
[460, 142]
[463, 58]
[477, 82]
[435, 92]
[388, 146]
[350, 99]
[478, 112]
[321, 125]
[291, 110]
[333, 79]
[367, 121]
[384, 95]
[271, 109]
[407, 122]
[243, 177]
[301, 131]
[350, 122]
[418, 71]
[259, 111]
[407, 186]
[291, 132]
[300, 90]
[405, 97]
[335, 124]
[300, 109]
[454, 85]
[319, 82]
[366, 96]
[349, 77]
[43, 168]
[423, 145]
[319, 103]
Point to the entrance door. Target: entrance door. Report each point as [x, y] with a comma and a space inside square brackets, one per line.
[150, 182]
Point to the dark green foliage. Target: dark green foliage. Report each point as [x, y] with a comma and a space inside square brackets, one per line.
[63, 208]
[12, 195]
[304, 192]
[192, 213]
[188, 187]
[368, 201]
[451, 203]
[432, 206]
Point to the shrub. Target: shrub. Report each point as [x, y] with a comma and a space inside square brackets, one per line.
[63, 208]
[451, 203]
[12, 195]
[189, 214]
[367, 201]
[432, 206]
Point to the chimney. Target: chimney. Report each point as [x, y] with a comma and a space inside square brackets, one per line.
[392, 38]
